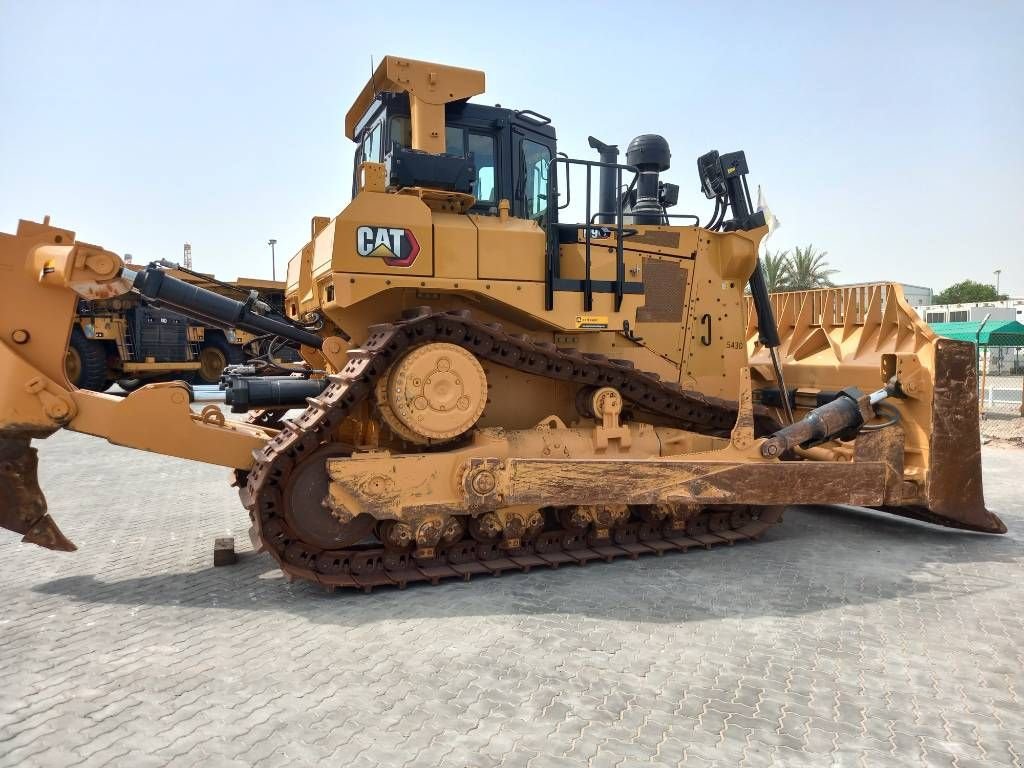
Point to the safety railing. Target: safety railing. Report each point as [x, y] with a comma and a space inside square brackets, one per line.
[587, 286]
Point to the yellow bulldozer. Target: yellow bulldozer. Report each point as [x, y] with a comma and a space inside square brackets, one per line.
[513, 359]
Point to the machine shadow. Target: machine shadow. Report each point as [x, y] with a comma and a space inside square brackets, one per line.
[820, 558]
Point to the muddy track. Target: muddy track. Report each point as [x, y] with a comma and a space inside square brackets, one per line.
[369, 566]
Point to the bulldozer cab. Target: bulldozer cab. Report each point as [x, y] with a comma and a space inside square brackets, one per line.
[492, 153]
[415, 124]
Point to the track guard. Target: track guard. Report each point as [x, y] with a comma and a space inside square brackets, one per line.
[22, 504]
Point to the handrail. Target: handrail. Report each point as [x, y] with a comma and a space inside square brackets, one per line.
[568, 184]
[626, 231]
[533, 116]
[552, 266]
[695, 217]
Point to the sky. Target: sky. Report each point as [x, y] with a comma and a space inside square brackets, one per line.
[888, 134]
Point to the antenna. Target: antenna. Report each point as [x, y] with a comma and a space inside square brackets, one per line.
[187, 258]
[372, 84]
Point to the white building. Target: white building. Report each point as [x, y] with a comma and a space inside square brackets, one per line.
[916, 295]
[975, 311]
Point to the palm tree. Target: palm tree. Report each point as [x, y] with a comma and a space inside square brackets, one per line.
[808, 269]
[776, 270]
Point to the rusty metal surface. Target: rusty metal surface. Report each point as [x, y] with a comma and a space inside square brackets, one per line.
[265, 490]
[489, 477]
[865, 481]
[647, 482]
[22, 504]
[955, 496]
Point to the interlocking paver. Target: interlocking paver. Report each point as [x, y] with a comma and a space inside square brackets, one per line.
[843, 638]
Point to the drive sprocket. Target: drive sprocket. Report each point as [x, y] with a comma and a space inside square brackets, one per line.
[433, 394]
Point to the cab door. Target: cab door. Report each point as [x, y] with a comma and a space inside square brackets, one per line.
[513, 248]
[531, 162]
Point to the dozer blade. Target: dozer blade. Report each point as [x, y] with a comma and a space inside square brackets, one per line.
[867, 336]
[22, 504]
[954, 491]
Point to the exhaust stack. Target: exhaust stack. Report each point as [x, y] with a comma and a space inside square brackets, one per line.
[608, 196]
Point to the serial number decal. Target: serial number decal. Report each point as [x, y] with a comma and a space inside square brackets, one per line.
[591, 321]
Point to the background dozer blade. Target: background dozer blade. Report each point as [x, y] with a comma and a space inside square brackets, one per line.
[954, 491]
[22, 504]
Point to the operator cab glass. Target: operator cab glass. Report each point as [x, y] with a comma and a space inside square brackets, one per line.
[509, 152]
[370, 146]
[535, 160]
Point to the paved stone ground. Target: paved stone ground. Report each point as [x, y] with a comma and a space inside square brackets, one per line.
[843, 638]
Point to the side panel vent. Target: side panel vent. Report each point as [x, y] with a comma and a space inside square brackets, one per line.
[664, 289]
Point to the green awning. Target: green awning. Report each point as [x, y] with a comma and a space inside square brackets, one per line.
[997, 333]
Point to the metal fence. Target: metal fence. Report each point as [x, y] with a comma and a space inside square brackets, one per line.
[1001, 393]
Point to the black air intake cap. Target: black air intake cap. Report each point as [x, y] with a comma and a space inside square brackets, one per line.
[649, 152]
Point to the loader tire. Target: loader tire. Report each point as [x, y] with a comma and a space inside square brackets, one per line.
[215, 355]
[86, 362]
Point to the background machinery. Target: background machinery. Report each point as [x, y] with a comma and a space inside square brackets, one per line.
[125, 340]
[502, 374]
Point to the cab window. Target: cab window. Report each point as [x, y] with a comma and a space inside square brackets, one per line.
[534, 161]
[482, 149]
[454, 141]
[371, 150]
[400, 132]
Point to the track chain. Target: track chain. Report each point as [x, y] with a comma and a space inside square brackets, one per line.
[262, 490]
